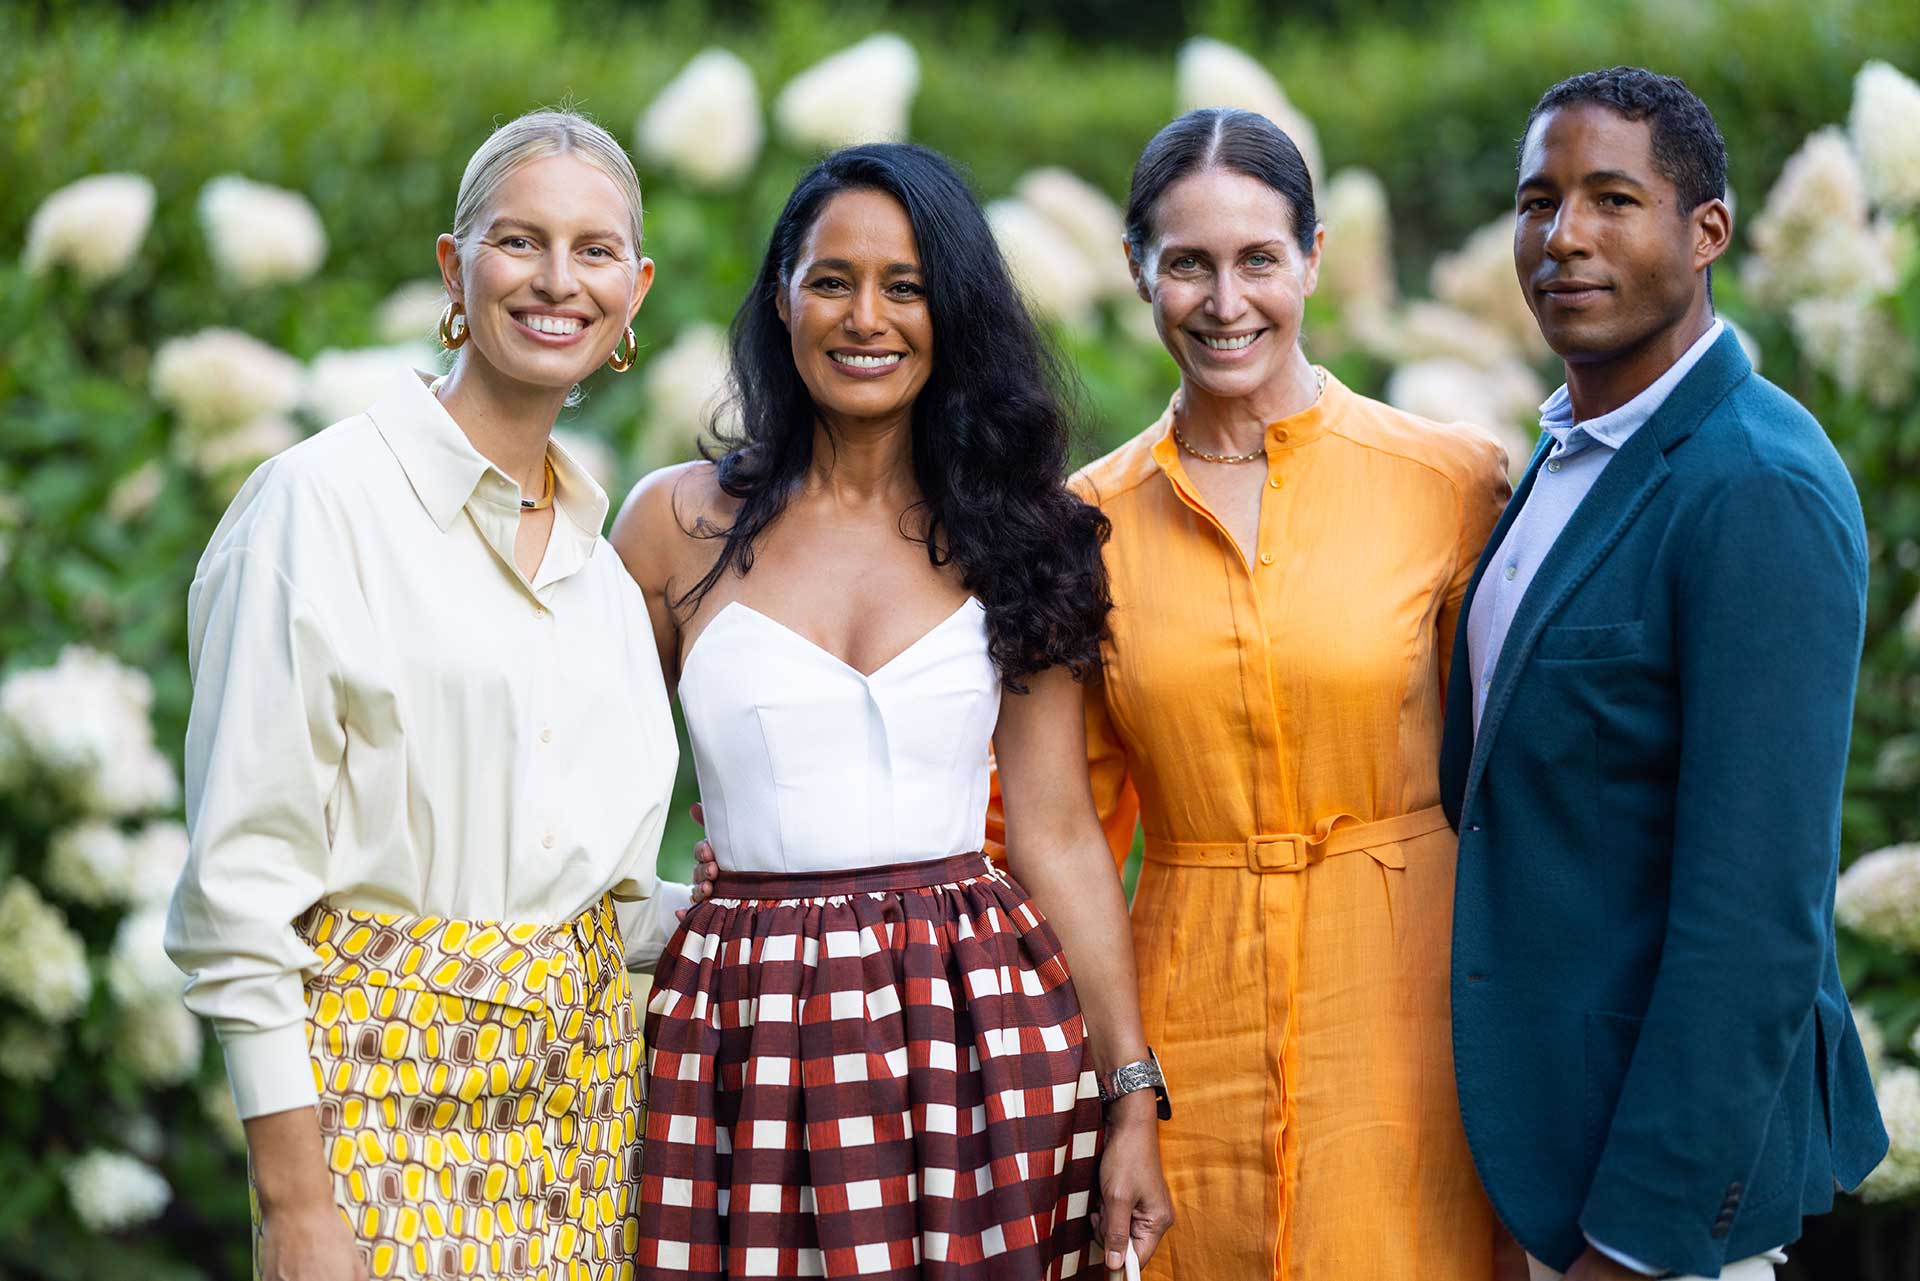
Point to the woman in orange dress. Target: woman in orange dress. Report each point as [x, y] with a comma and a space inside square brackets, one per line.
[1287, 562]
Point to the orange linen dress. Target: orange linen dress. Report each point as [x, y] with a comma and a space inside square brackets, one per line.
[1273, 719]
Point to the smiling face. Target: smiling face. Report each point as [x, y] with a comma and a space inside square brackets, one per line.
[549, 278]
[1227, 279]
[855, 305]
[1608, 259]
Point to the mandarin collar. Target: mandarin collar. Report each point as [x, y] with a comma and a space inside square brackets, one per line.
[1282, 434]
[447, 472]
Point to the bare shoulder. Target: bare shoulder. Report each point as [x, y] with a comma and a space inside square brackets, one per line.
[665, 519]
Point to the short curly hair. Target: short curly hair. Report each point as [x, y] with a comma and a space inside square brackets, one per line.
[1688, 150]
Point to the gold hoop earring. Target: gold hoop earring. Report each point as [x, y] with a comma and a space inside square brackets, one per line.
[621, 364]
[451, 338]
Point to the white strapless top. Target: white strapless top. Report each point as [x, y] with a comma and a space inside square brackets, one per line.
[806, 765]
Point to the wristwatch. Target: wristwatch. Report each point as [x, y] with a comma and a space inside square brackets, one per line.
[1144, 1074]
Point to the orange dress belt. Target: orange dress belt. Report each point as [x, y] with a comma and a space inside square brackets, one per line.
[1341, 834]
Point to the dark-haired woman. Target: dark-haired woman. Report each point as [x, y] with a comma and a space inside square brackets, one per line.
[867, 1058]
[1287, 562]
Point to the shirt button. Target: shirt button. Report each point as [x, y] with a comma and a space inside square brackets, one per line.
[1554, 465]
[1280, 435]
[539, 611]
[547, 841]
[1266, 558]
[1273, 481]
[546, 735]
[1512, 570]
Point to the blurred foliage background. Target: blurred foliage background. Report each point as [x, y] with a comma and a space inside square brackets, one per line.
[108, 490]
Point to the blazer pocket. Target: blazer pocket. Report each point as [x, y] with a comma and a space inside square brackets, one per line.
[1589, 644]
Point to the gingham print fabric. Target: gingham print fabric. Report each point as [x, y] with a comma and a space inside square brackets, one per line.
[879, 1074]
[478, 1093]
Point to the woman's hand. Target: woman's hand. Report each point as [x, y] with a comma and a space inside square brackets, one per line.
[706, 867]
[1134, 1202]
[308, 1242]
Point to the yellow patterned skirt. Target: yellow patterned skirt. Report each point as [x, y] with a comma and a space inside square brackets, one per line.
[479, 1093]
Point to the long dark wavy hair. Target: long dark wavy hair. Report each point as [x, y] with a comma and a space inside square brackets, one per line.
[990, 427]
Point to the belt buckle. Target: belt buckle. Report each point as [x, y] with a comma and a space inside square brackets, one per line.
[1277, 853]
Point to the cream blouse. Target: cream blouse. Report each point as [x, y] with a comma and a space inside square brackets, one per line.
[387, 715]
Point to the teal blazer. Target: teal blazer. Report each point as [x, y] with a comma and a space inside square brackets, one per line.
[1652, 1043]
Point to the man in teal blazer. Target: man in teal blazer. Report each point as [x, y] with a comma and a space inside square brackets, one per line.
[1646, 734]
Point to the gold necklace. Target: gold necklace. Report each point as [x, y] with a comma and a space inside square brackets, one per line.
[545, 500]
[1320, 381]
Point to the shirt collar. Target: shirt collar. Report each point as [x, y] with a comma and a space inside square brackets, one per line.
[1283, 434]
[446, 471]
[1613, 430]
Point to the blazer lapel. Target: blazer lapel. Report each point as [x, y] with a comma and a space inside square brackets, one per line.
[1610, 507]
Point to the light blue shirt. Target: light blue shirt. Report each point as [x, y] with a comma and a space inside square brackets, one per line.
[1580, 452]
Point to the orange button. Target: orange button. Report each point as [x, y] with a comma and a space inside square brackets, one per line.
[1273, 481]
[1280, 435]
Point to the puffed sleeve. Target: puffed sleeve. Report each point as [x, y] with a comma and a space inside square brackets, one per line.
[265, 742]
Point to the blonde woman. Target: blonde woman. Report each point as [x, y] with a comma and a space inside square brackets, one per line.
[429, 750]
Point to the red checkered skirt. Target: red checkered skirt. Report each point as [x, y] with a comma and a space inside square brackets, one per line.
[879, 1074]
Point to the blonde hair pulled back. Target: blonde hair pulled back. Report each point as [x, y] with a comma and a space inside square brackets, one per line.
[551, 131]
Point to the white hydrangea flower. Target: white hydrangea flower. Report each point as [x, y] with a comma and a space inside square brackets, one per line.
[134, 494]
[43, 963]
[1897, 767]
[1212, 73]
[95, 226]
[156, 855]
[1885, 127]
[84, 722]
[411, 313]
[111, 1190]
[1879, 896]
[221, 378]
[864, 93]
[593, 456]
[1452, 391]
[686, 385]
[1047, 265]
[1860, 345]
[1873, 1042]
[1356, 267]
[1898, 1176]
[231, 456]
[87, 863]
[261, 235]
[160, 1041]
[139, 971]
[1479, 279]
[1085, 215]
[1428, 330]
[1813, 239]
[705, 124]
[342, 382]
[29, 1052]
[1910, 625]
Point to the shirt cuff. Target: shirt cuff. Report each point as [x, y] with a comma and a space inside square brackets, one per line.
[1626, 1260]
[269, 1069]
